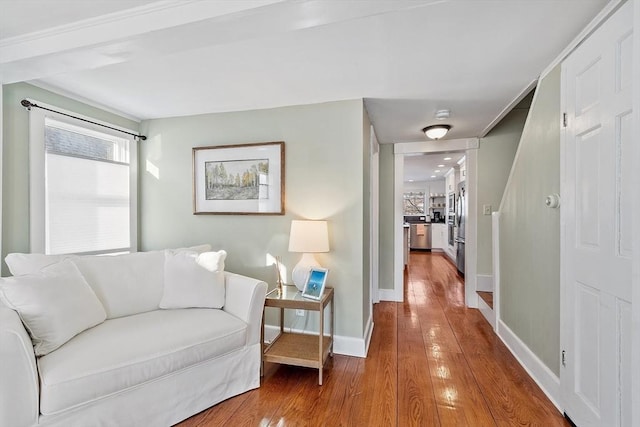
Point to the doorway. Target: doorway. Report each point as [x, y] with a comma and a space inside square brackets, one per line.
[469, 148]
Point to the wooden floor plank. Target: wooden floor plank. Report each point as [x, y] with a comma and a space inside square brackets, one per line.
[431, 362]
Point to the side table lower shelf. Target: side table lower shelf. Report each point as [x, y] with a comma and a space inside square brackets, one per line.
[298, 349]
[292, 348]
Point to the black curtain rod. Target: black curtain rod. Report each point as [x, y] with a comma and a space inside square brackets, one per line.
[28, 104]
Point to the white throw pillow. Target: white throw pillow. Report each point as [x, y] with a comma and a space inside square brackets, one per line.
[193, 280]
[20, 264]
[55, 304]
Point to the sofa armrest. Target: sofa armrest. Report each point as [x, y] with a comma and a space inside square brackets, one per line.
[19, 389]
[245, 299]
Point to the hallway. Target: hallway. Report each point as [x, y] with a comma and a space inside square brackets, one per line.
[431, 362]
[474, 379]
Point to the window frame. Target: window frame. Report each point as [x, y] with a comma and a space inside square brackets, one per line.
[37, 175]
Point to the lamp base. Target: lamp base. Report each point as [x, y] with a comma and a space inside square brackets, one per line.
[301, 270]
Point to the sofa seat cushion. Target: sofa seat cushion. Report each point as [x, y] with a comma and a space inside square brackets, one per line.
[125, 352]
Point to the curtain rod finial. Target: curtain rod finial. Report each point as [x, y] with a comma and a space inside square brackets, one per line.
[142, 137]
[26, 104]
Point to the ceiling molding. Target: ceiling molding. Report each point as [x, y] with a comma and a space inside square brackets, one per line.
[120, 25]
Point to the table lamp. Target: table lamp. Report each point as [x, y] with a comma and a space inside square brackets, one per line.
[307, 237]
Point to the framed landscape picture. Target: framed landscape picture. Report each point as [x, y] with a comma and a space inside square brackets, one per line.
[245, 179]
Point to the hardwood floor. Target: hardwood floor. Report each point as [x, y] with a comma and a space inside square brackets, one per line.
[486, 297]
[431, 362]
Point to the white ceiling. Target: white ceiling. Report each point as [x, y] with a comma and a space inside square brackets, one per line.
[406, 58]
[427, 167]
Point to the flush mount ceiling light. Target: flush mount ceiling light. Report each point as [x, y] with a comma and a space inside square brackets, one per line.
[436, 131]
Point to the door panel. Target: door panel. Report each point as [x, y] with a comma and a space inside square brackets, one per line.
[587, 340]
[587, 189]
[624, 183]
[596, 245]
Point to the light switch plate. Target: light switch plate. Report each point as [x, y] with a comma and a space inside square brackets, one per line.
[486, 209]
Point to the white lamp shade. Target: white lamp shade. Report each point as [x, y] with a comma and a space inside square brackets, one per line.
[308, 236]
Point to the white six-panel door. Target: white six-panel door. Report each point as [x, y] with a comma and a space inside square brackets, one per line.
[596, 244]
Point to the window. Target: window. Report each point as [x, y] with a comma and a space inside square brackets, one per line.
[83, 187]
[413, 203]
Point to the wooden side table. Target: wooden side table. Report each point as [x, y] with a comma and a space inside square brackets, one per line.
[298, 349]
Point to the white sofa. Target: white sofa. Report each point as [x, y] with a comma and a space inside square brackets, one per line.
[142, 366]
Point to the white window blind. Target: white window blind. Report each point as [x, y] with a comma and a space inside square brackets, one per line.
[83, 184]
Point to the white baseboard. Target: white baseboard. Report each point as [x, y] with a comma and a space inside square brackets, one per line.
[346, 346]
[546, 380]
[368, 332]
[389, 295]
[451, 254]
[484, 282]
[487, 312]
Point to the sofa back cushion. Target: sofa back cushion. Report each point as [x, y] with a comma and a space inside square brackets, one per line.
[125, 284]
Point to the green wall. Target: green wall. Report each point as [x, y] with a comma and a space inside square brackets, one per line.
[530, 232]
[15, 171]
[495, 159]
[386, 227]
[324, 180]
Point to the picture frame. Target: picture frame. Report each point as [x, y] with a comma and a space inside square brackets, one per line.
[315, 283]
[240, 179]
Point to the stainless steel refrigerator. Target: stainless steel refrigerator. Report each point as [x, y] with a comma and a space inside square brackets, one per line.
[461, 219]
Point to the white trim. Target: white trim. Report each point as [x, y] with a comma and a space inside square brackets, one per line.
[343, 345]
[389, 295]
[495, 246]
[398, 229]
[510, 106]
[374, 217]
[635, 275]
[487, 312]
[368, 333]
[471, 229]
[586, 32]
[543, 376]
[436, 146]
[484, 282]
[1, 161]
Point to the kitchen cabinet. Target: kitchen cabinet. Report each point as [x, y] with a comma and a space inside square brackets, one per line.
[438, 236]
[451, 181]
